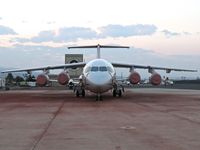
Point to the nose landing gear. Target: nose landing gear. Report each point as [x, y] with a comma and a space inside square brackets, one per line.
[99, 97]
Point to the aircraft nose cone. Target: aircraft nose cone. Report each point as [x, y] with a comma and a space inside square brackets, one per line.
[99, 79]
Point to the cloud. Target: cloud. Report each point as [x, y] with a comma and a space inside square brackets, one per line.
[65, 34]
[1, 18]
[187, 33]
[51, 22]
[6, 30]
[170, 34]
[24, 21]
[129, 30]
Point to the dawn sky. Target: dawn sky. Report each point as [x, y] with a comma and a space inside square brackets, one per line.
[169, 27]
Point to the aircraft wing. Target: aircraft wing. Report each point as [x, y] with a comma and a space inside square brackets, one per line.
[45, 68]
[168, 70]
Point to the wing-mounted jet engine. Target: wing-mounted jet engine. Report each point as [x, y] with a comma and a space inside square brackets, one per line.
[134, 77]
[155, 78]
[63, 78]
[42, 79]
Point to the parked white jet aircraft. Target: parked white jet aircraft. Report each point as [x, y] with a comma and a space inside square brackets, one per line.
[98, 75]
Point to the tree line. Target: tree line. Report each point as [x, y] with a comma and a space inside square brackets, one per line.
[10, 79]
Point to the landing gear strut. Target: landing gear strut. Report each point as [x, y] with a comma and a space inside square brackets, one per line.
[99, 97]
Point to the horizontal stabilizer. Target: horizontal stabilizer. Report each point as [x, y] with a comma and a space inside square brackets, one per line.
[98, 46]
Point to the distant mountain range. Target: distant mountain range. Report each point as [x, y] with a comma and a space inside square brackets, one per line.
[34, 56]
[2, 69]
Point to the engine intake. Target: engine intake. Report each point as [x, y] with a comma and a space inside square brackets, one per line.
[155, 79]
[42, 79]
[63, 78]
[134, 77]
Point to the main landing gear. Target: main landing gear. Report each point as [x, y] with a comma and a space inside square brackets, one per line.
[118, 90]
[79, 91]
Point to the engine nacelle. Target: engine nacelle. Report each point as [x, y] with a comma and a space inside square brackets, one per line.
[134, 77]
[63, 78]
[42, 79]
[155, 79]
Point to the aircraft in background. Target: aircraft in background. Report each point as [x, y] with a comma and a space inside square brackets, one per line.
[98, 75]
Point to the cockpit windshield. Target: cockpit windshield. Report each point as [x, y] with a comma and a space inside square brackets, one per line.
[99, 68]
[94, 68]
[102, 68]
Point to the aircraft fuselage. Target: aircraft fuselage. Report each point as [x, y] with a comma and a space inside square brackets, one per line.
[98, 76]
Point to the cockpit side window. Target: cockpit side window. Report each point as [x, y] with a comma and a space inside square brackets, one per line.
[94, 68]
[110, 69]
[87, 69]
